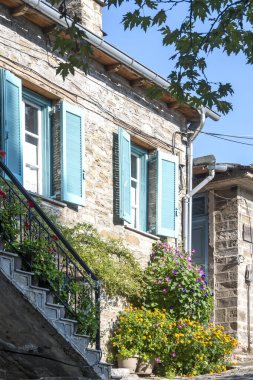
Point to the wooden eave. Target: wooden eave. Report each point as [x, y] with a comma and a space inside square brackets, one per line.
[110, 63]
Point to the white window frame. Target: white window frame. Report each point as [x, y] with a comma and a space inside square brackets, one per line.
[39, 137]
[136, 223]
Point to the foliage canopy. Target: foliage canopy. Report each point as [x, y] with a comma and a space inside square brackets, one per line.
[202, 27]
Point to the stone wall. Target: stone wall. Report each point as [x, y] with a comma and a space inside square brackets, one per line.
[245, 252]
[90, 13]
[225, 249]
[230, 210]
[108, 102]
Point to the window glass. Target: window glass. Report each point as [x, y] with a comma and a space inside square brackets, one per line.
[199, 206]
[31, 119]
[135, 190]
[133, 166]
[32, 148]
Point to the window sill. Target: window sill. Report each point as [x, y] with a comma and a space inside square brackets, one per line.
[127, 227]
[48, 200]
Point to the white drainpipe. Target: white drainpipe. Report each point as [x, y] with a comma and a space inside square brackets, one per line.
[187, 201]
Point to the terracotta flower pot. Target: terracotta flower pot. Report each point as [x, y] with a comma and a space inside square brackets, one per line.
[130, 363]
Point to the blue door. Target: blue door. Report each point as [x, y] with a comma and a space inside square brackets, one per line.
[200, 231]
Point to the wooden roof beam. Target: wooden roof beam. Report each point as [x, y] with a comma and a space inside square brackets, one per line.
[113, 68]
[20, 11]
[49, 29]
[141, 82]
[173, 104]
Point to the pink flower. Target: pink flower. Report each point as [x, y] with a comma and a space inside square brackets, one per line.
[164, 290]
[157, 360]
[173, 354]
[179, 285]
[167, 279]
[188, 267]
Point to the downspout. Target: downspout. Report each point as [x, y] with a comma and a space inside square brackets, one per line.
[187, 201]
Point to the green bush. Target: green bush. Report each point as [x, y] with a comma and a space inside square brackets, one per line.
[114, 265]
[183, 347]
[175, 284]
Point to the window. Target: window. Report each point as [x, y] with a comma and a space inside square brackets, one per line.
[36, 143]
[138, 187]
[25, 130]
[147, 188]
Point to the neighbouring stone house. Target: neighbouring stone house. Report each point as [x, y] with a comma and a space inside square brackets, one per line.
[223, 238]
[94, 147]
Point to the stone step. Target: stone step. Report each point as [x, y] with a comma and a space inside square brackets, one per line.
[16, 258]
[44, 301]
[23, 278]
[81, 342]
[66, 326]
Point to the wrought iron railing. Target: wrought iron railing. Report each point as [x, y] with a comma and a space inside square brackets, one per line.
[26, 229]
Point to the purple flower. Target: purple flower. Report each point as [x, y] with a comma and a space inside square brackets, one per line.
[171, 307]
[188, 259]
[180, 326]
[201, 286]
[193, 251]
[188, 267]
[157, 360]
[205, 282]
[191, 290]
[206, 294]
[174, 271]
[164, 290]
[203, 276]
[184, 290]
[201, 272]
[198, 279]
[173, 354]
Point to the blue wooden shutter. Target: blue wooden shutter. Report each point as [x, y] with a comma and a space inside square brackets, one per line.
[72, 154]
[167, 195]
[11, 125]
[125, 175]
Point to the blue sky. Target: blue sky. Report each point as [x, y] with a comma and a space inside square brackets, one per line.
[147, 48]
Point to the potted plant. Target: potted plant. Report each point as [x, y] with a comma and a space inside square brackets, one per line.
[138, 333]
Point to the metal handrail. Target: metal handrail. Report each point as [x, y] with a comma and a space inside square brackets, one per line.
[74, 255]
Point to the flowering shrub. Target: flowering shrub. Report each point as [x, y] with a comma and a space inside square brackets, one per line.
[140, 332]
[194, 349]
[184, 347]
[175, 284]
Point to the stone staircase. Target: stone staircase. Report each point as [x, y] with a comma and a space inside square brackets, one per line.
[36, 340]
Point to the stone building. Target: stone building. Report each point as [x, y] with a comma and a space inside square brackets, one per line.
[96, 149]
[222, 238]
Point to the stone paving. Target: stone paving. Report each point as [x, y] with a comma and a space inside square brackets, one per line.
[239, 372]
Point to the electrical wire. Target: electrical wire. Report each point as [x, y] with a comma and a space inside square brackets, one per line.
[248, 137]
[223, 138]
